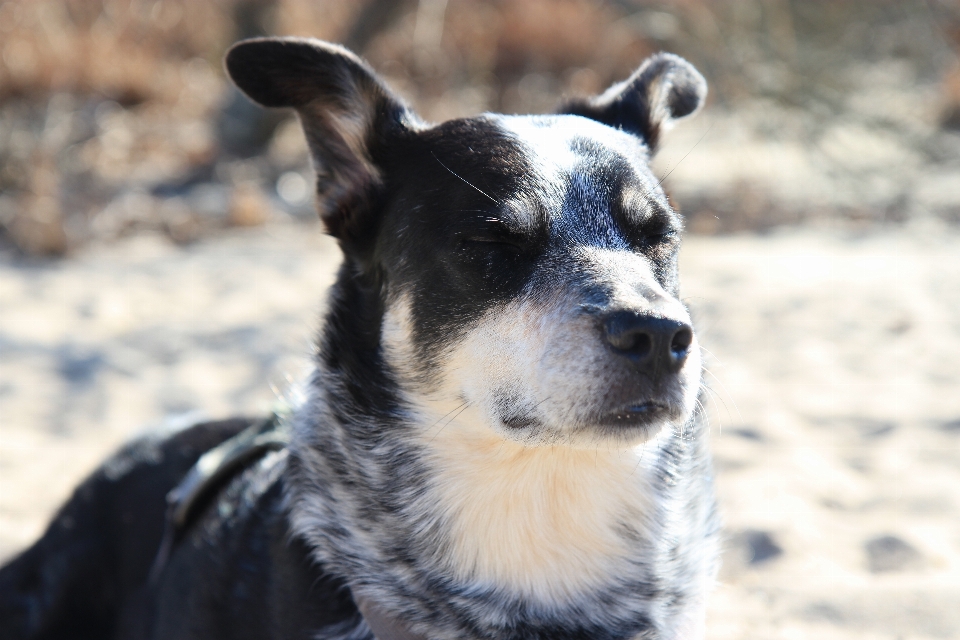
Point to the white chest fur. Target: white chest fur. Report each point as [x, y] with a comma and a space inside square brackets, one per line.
[546, 522]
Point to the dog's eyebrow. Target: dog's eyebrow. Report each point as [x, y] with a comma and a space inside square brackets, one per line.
[641, 205]
[522, 217]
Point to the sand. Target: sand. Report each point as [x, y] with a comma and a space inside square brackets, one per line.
[833, 367]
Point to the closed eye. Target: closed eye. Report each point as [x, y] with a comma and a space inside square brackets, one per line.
[493, 240]
[661, 236]
[646, 222]
[497, 235]
[648, 239]
[502, 245]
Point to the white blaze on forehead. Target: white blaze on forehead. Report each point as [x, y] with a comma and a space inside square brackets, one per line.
[550, 140]
[548, 146]
[561, 159]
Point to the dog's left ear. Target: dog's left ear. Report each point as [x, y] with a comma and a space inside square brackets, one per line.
[347, 113]
[664, 89]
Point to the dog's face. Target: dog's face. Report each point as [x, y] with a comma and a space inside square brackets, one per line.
[525, 268]
[531, 265]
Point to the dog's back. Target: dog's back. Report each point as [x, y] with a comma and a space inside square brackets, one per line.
[94, 558]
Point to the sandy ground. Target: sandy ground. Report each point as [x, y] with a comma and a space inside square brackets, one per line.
[834, 368]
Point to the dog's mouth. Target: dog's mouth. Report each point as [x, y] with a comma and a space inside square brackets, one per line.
[520, 422]
[640, 414]
[635, 415]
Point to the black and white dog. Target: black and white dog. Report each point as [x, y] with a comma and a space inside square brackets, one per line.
[499, 438]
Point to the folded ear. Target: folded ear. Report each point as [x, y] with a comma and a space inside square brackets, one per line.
[346, 111]
[665, 88]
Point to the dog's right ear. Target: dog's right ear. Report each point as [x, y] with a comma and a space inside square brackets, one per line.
[664, 89]
[346, 111]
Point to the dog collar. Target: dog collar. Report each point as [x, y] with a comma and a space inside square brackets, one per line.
[208, 475]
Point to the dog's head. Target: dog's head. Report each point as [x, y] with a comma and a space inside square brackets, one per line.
[523, 268]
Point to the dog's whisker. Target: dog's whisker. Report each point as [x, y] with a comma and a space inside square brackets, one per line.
[465, 181]
[667, 175]
[456, 414]
[678, 433]
[643, 450]
[536, 406]
[450, 421]
[714, 395]
[456, 408]
[706, 415]
[712, 355]
[727, 392]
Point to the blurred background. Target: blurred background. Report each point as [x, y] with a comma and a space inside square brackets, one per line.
[116, 116]
[160, 254]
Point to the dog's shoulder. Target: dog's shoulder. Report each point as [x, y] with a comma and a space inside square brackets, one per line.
[259, 579]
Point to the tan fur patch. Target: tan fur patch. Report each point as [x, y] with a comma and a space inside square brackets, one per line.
[353, 127]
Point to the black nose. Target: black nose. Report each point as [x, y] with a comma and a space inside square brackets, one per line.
[655, 345]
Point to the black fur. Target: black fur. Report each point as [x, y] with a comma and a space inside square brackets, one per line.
[94, 558]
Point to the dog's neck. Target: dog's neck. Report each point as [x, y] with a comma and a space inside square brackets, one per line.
[545, 522]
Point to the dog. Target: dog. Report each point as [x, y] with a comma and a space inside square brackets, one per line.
[499, 439]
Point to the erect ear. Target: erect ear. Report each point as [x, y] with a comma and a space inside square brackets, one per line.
[346, 111]
[665, 88]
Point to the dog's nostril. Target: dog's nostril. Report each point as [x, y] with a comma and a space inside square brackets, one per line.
[681, 342]
[636, 343]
